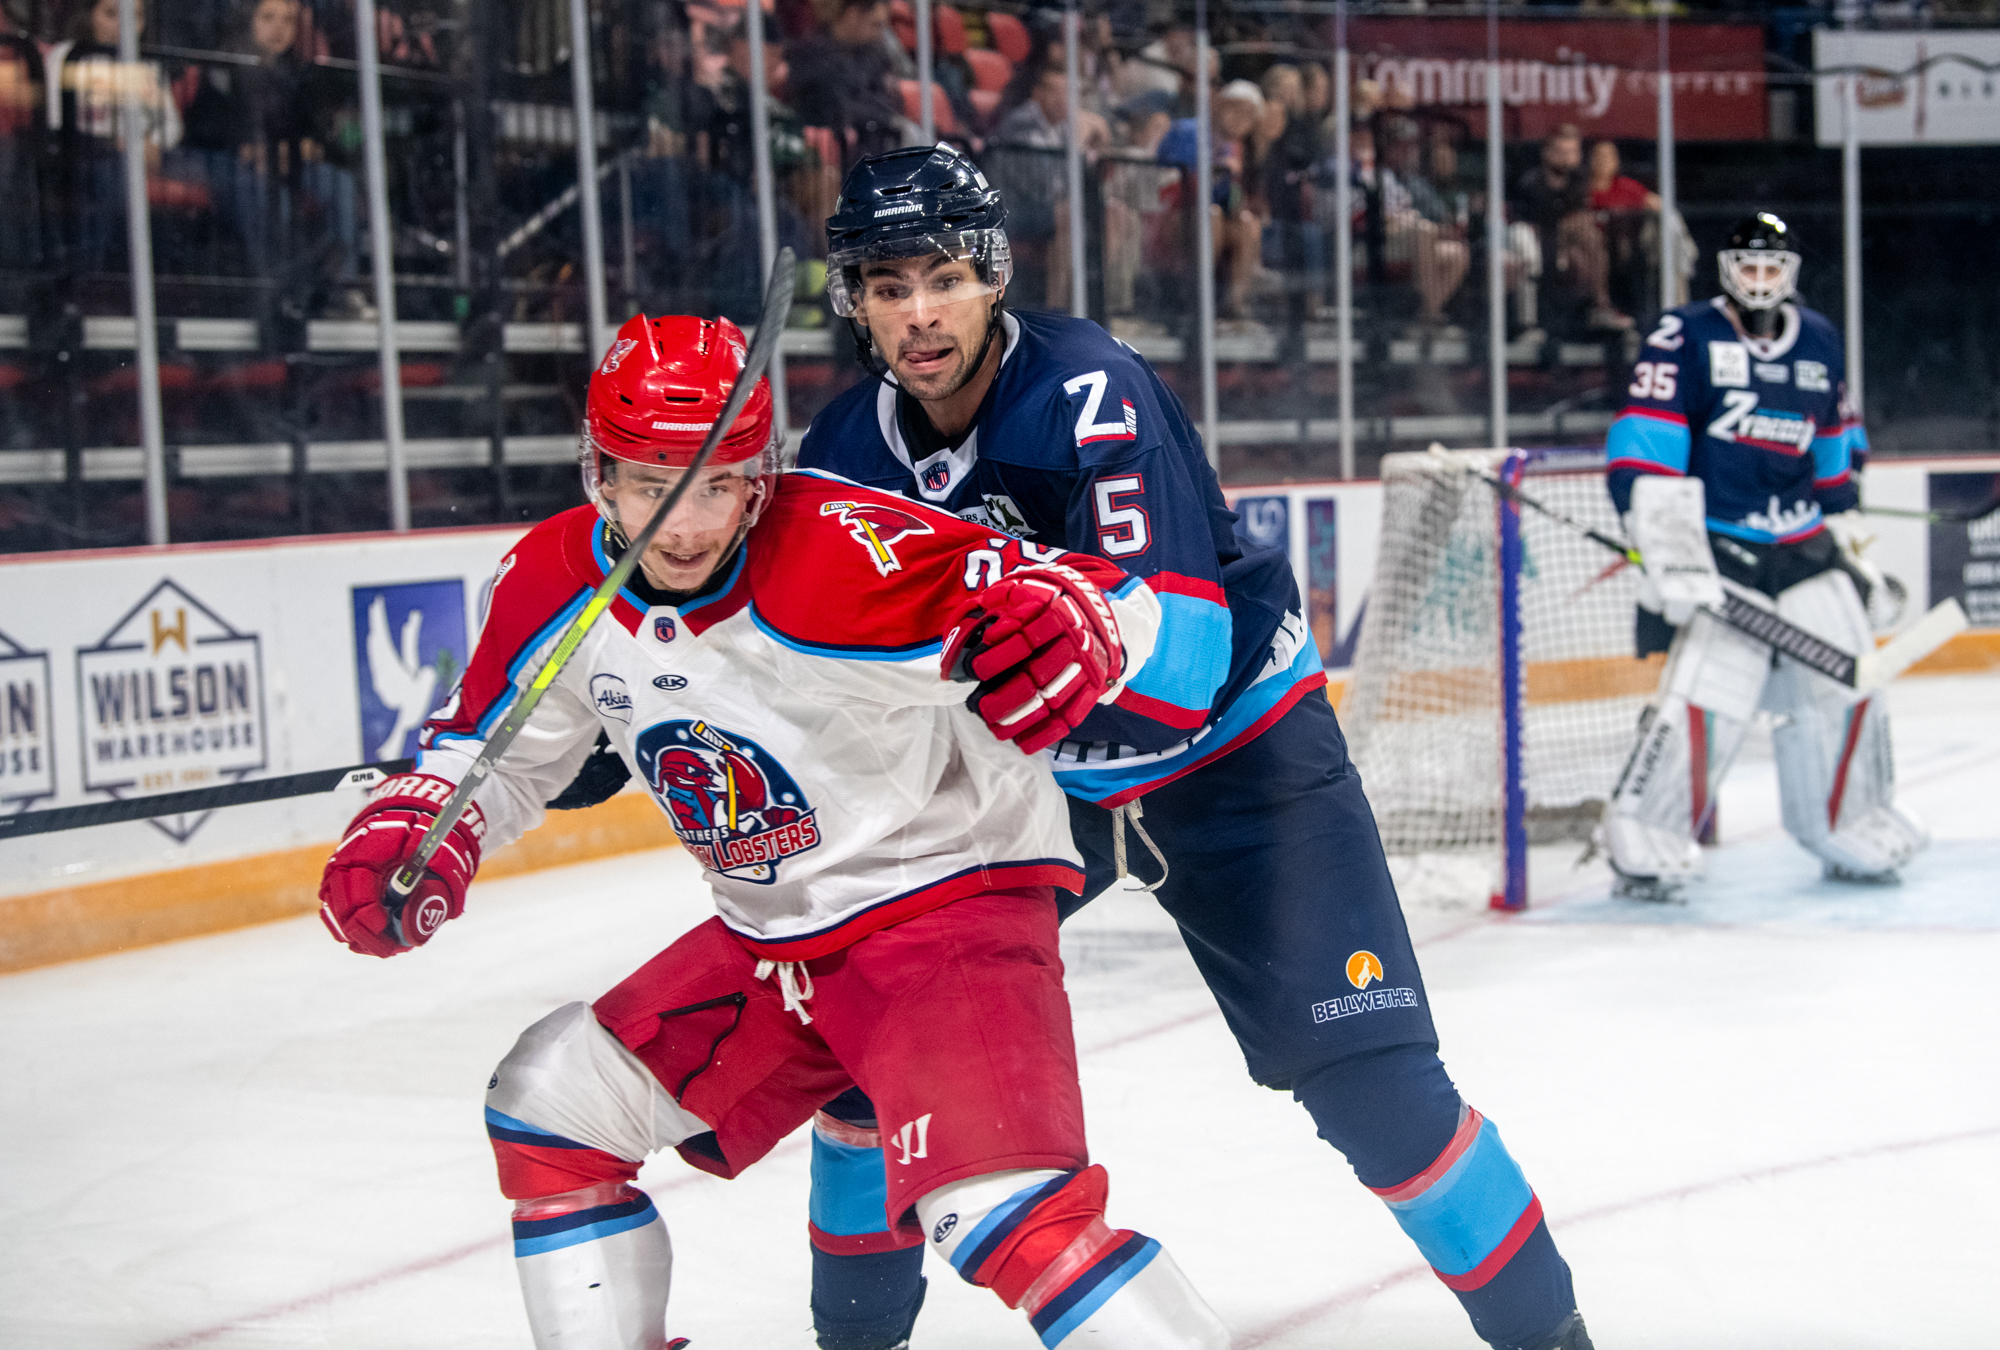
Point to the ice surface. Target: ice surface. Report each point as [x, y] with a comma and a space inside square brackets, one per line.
[1766, 1118]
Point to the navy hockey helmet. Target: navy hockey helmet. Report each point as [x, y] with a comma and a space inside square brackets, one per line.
[1759, 266]
[914, 203]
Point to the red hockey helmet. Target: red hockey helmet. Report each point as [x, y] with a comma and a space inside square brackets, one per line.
[657, 393]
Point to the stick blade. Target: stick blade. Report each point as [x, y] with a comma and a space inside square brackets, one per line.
[1942, 623]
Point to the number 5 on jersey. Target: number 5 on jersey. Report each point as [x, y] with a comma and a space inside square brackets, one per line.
[1122, 529]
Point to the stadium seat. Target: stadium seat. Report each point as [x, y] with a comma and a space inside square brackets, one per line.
[990, 70]
[949, 28]
[1010, 35]
[946, 124]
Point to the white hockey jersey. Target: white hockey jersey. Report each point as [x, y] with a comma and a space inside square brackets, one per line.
[792, 723]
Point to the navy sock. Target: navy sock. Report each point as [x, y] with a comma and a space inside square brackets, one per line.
[1393, 1114]
[866, 1302]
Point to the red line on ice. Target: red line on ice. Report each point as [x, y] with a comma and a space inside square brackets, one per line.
[1356, 1295]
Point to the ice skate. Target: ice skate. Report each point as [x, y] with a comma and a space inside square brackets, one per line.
[1569, 1336]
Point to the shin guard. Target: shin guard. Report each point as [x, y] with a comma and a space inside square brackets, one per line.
[1038, 1239]
[1687, 740]
[570, 1114]
[1836, 772]
[595, 1268]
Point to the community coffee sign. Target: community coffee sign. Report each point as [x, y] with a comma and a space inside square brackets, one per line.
[1602, 77]
[172, 697]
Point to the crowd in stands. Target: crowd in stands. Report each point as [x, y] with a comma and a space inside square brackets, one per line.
[250, 122]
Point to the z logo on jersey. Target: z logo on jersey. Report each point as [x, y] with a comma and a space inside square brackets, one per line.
[877, 528]
[734, 807]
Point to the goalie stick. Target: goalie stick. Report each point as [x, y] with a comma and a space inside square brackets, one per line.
[1937, 516]
[1748, 611]
[770, 331]
[25, 823]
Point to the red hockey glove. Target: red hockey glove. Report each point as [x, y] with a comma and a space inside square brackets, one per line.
[1044, 646]
[354, 891]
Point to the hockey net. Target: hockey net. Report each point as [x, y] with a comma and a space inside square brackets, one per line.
[1426, 711]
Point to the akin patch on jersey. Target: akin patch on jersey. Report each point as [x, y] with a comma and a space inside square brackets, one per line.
[877, 528]
[734, 807]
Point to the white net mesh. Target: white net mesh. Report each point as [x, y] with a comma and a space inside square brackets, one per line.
[1423, 709]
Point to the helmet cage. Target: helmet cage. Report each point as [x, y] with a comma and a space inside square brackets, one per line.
[986, 249]
[1758, 293]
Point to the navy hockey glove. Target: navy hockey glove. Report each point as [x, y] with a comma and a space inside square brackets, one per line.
[354, 891]
[1044, 646]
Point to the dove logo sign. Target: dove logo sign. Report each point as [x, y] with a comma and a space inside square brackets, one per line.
[409, 647]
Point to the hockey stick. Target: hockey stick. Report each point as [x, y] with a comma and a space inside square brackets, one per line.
[1748, 611]
[198, 799]
[1945, 516]
[770, 330]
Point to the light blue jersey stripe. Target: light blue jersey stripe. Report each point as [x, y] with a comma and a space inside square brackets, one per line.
[1190, 657]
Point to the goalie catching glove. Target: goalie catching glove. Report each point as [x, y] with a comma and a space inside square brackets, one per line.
[1045, 649]
[355, 903]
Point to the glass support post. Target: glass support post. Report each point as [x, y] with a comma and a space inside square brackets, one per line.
[382, 253]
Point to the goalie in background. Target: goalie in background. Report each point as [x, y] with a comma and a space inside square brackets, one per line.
[1737, 456]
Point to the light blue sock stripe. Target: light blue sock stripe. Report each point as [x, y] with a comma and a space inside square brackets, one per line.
[1003, 1212]
[1097, 1297]
[1469, 1210]
[850, 1188]
[589, 1233]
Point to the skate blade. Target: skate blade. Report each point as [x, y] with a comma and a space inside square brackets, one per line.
[1847, 876]
[1650, 890]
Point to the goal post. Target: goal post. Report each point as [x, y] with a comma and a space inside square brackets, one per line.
[1495, 690]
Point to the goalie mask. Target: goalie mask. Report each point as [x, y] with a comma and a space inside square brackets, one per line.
[653, 400]
[1759, 270]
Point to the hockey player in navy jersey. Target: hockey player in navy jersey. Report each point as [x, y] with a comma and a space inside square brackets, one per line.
[1738, 429]
[1266, 853]
[780, 673]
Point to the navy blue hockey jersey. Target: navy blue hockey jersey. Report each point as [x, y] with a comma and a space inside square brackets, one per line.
[1764, 424]
[1080, 446]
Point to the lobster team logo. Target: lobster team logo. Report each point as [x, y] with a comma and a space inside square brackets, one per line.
[734, 807]
[877, 528]
[1364, 969]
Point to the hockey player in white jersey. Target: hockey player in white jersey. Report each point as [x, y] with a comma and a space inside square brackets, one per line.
[782, 674]
[1738, 456]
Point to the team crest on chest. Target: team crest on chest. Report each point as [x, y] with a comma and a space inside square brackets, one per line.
[877, 528]
[735, 808]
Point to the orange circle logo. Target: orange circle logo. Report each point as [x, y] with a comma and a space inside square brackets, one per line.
[1363, 969]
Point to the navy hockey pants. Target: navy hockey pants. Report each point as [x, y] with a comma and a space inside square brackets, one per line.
[1278, 883]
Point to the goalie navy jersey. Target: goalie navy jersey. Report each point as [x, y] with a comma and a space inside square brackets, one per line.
[1080, 446]
[1764, 424]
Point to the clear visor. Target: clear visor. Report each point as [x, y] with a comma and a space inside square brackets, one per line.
[1759, 278]
[925, 272]
[626, 494]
